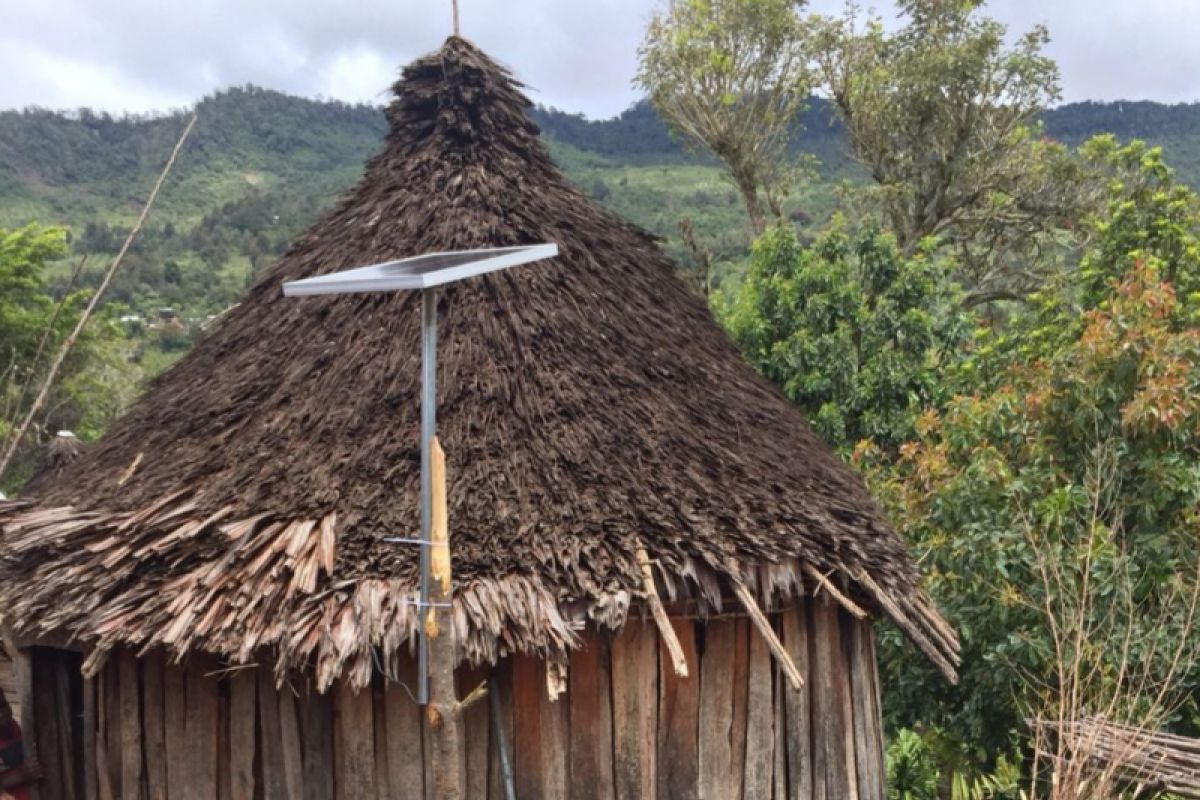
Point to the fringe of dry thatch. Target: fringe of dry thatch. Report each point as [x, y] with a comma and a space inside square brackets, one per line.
[239, 588]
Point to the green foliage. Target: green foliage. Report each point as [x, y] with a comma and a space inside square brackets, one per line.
[731, 76]
[96, 379]
[942, 113]
[1058, 488]
[914, 772]
[852, 331]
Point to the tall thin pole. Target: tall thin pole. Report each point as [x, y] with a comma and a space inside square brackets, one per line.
[428, 431]
[499, 739]
[454, 11]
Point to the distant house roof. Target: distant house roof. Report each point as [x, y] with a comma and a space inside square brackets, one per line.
[586, 405]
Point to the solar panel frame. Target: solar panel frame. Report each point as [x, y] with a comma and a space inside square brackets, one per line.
[420, 272]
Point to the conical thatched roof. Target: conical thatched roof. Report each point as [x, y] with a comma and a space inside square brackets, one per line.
[587, 404]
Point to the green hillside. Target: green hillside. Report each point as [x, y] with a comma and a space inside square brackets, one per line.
[261, 165]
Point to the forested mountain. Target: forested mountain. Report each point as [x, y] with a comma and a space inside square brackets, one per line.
[260, 165]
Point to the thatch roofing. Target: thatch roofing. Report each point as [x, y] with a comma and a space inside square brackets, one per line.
[586, 404]
[53, 459]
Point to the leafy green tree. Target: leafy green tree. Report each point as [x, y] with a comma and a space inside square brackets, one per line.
[732, 76]
[942, 114]
[97, 379]
[1057, 492]
[852, 330]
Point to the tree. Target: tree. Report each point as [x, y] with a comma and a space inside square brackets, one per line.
[732, 76]
[96, 380]
[1052, 501]
[852, 330]
[942, 114]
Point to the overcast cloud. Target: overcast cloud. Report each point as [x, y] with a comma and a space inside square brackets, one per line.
[579, 55]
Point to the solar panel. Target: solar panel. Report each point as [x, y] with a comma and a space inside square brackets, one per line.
[420, 272]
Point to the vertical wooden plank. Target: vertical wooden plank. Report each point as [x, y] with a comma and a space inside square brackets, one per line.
[556, 740]
[830, 699]
[540, 732]
[502, 679]
[527, 682]
[67, 717]
[679, 719]
[131, 726]
[112, 677]
[383, 780]
[224, 746]
[635, 709]
[104, 779]
[779, 768]
[793, 623]
[202, 718]
[153, 724]
[289, 738]
[476, 732]
[91, 786]
[841, 671]
[404, 741]
[867, 722]
[175, 729]
[760, 719]
[716, 709]
[269, 734]
[317, 715]
[353, 743]
[243, 703]
[44, 735]
[741, 698]
[589, 699]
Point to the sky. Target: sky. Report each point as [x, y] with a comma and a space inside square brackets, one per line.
[577, 55]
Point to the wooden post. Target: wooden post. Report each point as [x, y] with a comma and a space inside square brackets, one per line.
[665, 631]
[442, 713]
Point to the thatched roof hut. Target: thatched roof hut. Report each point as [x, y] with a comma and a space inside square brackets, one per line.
[590, 406]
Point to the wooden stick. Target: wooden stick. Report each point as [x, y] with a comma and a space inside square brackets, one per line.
[665, 629]
[442, 713]
[915, 634]
[475, 695]
[454, 10]
[845, 602]
[768, 633]
[69, 342]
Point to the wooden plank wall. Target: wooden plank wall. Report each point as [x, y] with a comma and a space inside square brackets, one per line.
[627, 727]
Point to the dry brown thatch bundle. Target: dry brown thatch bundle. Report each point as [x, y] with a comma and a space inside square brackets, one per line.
[586, 404]
[55, 456]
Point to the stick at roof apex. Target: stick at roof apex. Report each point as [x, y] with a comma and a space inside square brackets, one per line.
[454, 10]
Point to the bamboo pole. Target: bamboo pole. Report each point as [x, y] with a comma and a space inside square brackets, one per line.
[443, 712]
[69, 342]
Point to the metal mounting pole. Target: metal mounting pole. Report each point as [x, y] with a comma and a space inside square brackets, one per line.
[428, 431]
[499, 739]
